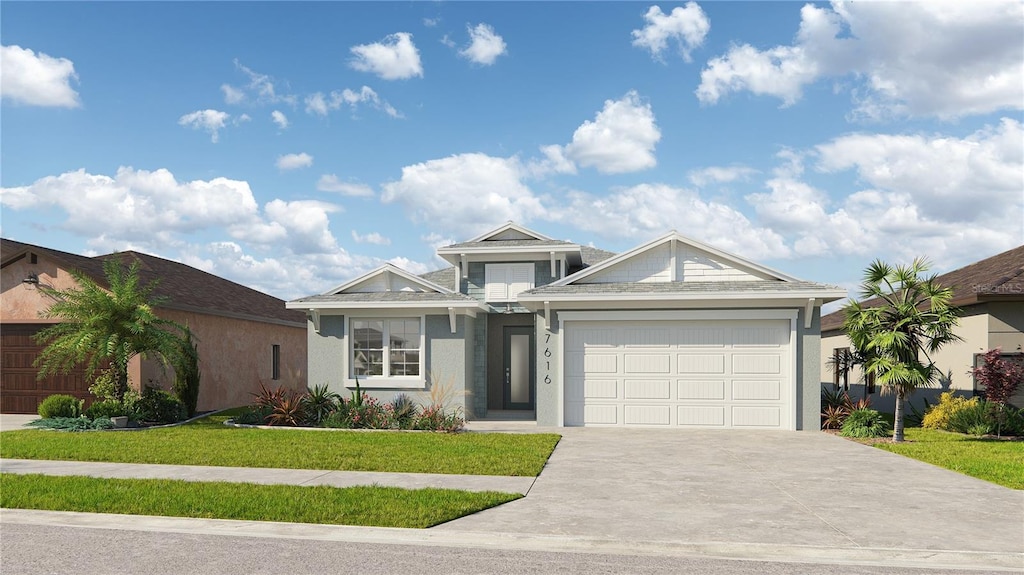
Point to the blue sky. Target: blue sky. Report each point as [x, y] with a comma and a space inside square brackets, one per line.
[293, 146]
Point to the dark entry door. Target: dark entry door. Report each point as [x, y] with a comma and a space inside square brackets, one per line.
[519, 368]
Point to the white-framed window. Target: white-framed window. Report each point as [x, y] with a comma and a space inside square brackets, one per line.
[504, 282]
[386, 347]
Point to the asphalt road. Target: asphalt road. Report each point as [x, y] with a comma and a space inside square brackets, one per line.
[38, 550]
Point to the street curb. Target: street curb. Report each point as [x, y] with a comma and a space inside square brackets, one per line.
[864, 556]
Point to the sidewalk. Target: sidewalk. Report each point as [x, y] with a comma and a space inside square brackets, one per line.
[305, 477]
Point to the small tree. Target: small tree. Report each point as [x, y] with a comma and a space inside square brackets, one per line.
[186, 371]
[99, 325]
[912, 318]
[1001, 378]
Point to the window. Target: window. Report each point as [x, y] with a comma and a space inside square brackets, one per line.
[504, 282]
[385, 347]
[275, 361]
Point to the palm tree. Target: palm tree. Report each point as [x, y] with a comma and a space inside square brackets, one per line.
[912, 318]
[98, 325]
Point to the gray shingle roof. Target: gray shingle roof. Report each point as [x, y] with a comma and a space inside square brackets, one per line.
[592, 256]
[711, 288]
[443, 277]
[511, 244]
[383, 297]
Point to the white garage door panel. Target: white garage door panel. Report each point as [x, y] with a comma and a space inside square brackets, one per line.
[701, 389]
[685, 373]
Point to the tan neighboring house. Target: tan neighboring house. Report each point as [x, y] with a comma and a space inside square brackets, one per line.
[245, 337]
[991, 294]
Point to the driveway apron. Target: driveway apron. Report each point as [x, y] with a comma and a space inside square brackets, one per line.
[774, 488]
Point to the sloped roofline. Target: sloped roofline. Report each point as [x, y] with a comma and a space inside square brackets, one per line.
[670, 236]
[509, 226]
[389, 268]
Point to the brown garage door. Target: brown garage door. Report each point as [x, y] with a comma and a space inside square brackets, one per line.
[20, 391]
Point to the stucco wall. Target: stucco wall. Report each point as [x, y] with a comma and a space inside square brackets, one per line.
[445, 361]
[547, 389]
[954, 361]
[234, 354]
[21, 302]
[808, 366]
[235, 357]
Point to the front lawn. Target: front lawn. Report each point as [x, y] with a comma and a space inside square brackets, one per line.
[371, 506]
[208, 442]
[1000, 462]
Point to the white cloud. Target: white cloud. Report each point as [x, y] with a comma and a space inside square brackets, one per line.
[687, 26]
[144, 207]
[941, 59]
[321, 104]
[720, 175]
[294, 161]
[431, 22]
[366, 95]
[553, 162]
[212, 121]
[464, 194]
[371, 238]
[37, 79]
[947, 198]
[485, 45]
[621, 138]
[648, 210]
[280, 119]
[261, 89]
[393, 58]
[331, 183]
[411, 266]
[241, 119]
[232, 95]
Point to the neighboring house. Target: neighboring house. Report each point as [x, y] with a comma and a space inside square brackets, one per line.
[673, 333]
[991, 294]
[244, 336]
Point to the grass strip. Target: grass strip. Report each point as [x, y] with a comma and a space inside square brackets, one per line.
[364, 505]
[208, 442]
[998, 461]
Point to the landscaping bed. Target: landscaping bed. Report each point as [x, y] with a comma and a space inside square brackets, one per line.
[208, 441]
[364, 505]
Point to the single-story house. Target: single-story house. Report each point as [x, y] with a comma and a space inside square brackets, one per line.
[990, 293]
[244, 336]
[672, 333]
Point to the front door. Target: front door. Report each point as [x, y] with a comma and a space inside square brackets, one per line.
[518, 368]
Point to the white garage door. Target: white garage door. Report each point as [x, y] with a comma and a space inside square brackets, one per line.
[723, 374]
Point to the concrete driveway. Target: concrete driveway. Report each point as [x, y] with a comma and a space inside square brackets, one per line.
[758, 488]
[12, 421]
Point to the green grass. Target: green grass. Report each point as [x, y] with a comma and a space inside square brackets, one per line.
[1000, 462]
[372, 506]
[208, 442]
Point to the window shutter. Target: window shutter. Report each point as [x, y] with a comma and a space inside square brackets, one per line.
[496, 283]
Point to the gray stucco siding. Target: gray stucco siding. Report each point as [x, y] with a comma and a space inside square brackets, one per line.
[445, 361]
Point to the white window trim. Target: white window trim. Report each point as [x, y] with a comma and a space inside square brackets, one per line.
[510, 297]
[384, 381]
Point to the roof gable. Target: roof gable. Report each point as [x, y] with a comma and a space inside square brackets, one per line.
[510, 231]
[388, 278]
[674, 258]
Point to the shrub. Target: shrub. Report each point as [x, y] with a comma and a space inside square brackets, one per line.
[974, 418]
[103, 387]
[403, 411]
[158, 406]
[186, 372]
[999, 377]
[107, 408]
[59, 405]
[434, 418]
[1013, 423]
[252, 416]
[73, 423]
[319, 403]
[865, 423]
[287, 410]
[367, 413]
[938, 416]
